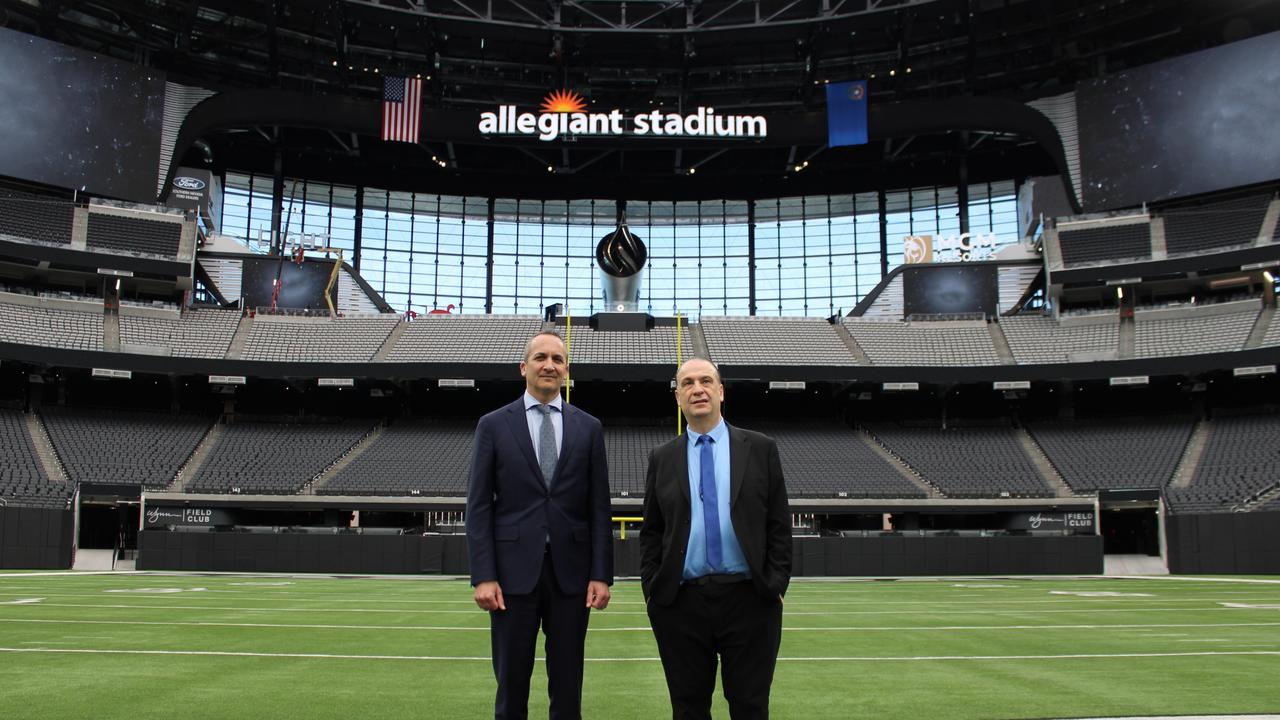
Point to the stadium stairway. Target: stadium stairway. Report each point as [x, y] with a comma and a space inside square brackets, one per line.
[855, 349]
[1260, 327]
[1268, 229]
[347, 458]
[1191, 455]
[699, 342]
[1126, 339]
[111, 331]
[390, 343]
[1043, 465]
[897, 463]
[192, 466]
[49, 460]
[1000, 343]
[238, 341]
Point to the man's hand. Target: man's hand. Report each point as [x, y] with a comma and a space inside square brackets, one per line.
[489, 596]
[598, 595]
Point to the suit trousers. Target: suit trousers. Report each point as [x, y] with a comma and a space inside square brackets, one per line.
[733, 622]
[514, 634]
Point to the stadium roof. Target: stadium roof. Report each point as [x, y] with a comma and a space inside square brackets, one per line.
[761, 57]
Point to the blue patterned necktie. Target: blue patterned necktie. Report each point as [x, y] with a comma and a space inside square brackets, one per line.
[710, 503]
[547, 452]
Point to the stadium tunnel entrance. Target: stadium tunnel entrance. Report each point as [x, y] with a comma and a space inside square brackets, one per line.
[108, 519]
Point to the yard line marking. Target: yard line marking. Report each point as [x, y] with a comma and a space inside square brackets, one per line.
[23, 601]
[644, 628]
[789, 613]
[485, 658]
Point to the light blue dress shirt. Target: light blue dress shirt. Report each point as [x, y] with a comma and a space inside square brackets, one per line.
[695, 558]
[535, 421]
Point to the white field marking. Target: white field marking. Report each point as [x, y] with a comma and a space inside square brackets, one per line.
[262, 584]
[1098, 593]
[474, 611]
[1181, 578]
[975, 585]
[644, 628]
[23, 601]
[1244, 606]
[158, 591]
[485, 658]
[70, 573]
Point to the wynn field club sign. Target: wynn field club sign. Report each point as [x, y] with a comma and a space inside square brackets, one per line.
[563, 113]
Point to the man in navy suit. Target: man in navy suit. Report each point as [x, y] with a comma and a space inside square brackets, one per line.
[715, 554]
[539, 532]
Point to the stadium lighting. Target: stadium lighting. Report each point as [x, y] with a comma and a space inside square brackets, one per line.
[1119, 293]
[1266, 274]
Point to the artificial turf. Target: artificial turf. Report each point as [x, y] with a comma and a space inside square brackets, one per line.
[155, 645]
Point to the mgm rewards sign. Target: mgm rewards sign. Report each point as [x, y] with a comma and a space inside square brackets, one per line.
[564, 113]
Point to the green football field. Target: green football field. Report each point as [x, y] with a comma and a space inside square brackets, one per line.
[154, 645]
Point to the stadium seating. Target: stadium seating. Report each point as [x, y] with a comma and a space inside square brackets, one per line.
[317, 339]
[1229, 223]
[465, 338]
[123, 447]
[36, 217]
[628, 448]
[828, 459]
[51, 327]
[965, 462]
[1130, 241]
[22, 479]
[656, 346]
[1241, 458]
[1106, 454]
[1166, 333]
[774, 341]
[1035, 339]
[273, 458]
[133, 234]
[428, 457]
[924, 343]
[198, 333]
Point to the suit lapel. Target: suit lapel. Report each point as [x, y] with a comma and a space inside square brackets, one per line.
[737, 464]
[569, 427]
[519, 426]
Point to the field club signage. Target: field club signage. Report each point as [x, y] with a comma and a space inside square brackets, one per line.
[563, 114]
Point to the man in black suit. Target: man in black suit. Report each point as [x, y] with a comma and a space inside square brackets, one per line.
[539, 532]
[715, 554]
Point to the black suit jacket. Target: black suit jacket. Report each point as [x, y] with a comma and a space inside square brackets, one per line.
[757, 506]
[511, 514]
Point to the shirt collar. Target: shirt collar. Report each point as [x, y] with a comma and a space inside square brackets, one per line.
[719, 434]
[530, 401]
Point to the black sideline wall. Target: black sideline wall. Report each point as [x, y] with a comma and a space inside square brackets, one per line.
[1234, 543]
[36, 538]
[447, 554]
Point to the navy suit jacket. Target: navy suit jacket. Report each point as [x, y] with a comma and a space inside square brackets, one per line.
[758, 509]
[511, 513]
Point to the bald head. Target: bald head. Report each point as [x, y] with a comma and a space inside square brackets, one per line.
[699, 393]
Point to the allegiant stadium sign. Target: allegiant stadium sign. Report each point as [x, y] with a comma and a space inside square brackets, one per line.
[563, 114]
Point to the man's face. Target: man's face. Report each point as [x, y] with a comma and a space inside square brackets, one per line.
[545, 367]
[699, 392]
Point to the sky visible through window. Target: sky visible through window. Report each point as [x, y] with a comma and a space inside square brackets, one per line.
[814, 255]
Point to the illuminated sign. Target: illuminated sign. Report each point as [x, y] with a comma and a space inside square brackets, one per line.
[563, 113]
[951, 248]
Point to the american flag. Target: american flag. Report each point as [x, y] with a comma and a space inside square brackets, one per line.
[401, 108]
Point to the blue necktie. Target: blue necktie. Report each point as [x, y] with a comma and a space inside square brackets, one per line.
[710, 504]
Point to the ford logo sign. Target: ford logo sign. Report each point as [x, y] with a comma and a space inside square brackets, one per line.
[189, 183]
